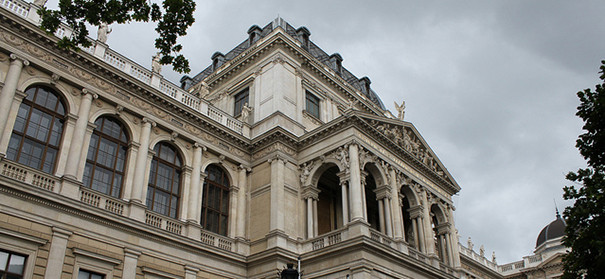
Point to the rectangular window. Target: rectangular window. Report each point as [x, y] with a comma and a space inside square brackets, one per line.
[11, 265]
[85, 274]
[312, 105]
[241, 99]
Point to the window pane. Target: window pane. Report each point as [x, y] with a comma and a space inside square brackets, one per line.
[16, 264]
[225, 201]
[3, 260]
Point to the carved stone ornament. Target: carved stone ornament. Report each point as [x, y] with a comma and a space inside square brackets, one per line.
[3, 57]
[305, 171]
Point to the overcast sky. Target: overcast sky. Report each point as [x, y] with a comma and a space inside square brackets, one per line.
[490, 85]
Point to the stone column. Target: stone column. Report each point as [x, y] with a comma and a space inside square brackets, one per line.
[448, 246]
[364, 206]
[453, 238]
[381, 215]
[387, 216]
[193, 214]
[428, 230]
[355, 187]
[344, 179]
[416, 236]
[396, 207]
[310, 219]
[421, 234]
[241, 205]
[10, 122]
[56, 255]
[73, 157]
[277, 193]
[139, 182]
[131, 258]
[315, 226]
[8, 94]
[200, 197]
[233, 214]
[84, 151]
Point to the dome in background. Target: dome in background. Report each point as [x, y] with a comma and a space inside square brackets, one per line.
[554, 230]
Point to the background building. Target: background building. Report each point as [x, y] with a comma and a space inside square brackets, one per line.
[274, 153]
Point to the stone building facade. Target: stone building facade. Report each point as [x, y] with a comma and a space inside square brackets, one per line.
[273, 154]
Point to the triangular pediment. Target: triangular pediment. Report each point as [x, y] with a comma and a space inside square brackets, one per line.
[407, 138]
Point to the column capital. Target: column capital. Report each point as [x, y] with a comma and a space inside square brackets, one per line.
[234, 188]
[310, 192]
[200, 145]
[86, 91]
[62, 233]
[131, 253]
[241, 167]
[17, 58]
[383, 191]
[277, 157]
[146, 120]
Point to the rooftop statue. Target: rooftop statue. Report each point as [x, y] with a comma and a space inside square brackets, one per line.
[400, 110]
[102, 32]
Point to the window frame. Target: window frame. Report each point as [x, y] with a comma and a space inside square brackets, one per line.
[46, 144]
[223, 189]
[239, 99]
[176, 169]
[5, 272]
[315, 101]
[96, 164]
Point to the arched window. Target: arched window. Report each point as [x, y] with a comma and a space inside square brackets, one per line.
[164, 188]
[372, 202]
[215, 203]
[106, 159]
[38, 130]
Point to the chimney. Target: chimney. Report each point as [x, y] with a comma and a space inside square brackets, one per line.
[253, 34]
[303, 36]
[365, 82]
[218, 59]
[186, 82]
[336, 63]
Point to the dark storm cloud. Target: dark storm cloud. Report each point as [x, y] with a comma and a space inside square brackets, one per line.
[491, 87]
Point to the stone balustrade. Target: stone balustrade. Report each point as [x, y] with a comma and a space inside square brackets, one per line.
[102, 201]
[29, 11]
[29, 175]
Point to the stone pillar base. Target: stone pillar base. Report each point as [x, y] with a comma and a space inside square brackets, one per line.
[358, 227]
[242, 246]
[193, 230]
[70, 187]
[137, 211]
[277, 238]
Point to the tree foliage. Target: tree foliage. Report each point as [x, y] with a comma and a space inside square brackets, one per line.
[173, 19]
[585, 232]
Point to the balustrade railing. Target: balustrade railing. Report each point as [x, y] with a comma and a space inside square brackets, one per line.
[216, 240]
[327, 239]
[102, 201]
[29, 175]
[120, 62]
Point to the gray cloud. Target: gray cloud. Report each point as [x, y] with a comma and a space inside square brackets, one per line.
[491, 87]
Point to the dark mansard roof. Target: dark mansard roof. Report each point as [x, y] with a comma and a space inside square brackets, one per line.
[329, 60]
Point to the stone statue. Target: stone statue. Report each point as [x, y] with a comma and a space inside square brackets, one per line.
[156, 67]
[40, 3]
[482, 251]
[246, 112]
[494, 256]
[102, 32]
[469, 243]
[343, 156]
[306, 171]
[400, 110]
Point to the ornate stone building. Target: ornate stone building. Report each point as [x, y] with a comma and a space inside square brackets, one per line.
[275, 153]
